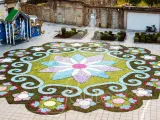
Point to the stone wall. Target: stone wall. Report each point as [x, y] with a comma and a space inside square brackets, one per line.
[105, 17]
[59, 12]
[76, 13]
[104, 3]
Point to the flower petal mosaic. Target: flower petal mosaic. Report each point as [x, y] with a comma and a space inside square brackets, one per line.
[57, 77]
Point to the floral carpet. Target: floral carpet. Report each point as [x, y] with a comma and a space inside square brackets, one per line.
[57, 77]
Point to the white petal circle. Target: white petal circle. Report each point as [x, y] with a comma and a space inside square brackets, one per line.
[23, 96]
[142, 92]
[84, 103]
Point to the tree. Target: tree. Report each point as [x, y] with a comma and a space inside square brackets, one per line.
[134, 2]
[152, 2]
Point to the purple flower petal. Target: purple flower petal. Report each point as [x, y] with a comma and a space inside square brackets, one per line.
[106, 68]
[93, 59]
[81, 76]
[54, 69]
[62, 59]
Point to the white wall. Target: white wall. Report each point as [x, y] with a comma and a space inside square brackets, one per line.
[139, 21]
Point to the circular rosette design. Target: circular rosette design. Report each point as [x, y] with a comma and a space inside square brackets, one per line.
[3, 68]
[136, 51]
[2, 77]
[99, 44]
[154, 83]
[155, 65]
[6, 60]
[17, 53]
[6, 87]
[48, 105]
[22, 96]
[57, 77]
[37, 49]
[84, 103]
[119, 102]
[55, 45]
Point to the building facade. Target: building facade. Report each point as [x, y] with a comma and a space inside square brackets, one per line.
[3, 11]
[77, 12]
[7, 5]
[104, 12]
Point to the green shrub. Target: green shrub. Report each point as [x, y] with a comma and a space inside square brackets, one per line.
[74, 29]
[101, 32]
[63, 31]
[67, 34]
[151, 2]
[80, 34]
[110, 37]
[110, 32]
[114, 36]
[134, 2]
[142, 39]
[122, 35]
[104, 36]
[158, 40]
[158, 35]
[143, 33]
[137, 34]
[136, 39]
[120, 38]
[72, 33]
[154, 37]
[148, 39]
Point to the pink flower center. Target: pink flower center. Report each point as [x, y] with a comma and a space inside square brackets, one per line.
[79, 66]
[118, 101]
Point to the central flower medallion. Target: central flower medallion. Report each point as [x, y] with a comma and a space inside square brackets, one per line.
[80, 67]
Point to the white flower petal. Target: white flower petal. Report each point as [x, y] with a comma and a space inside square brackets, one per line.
[73, 61]
[76, 71]
[83, 61]
[66, 63]
[86, 71]
[67, 69]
